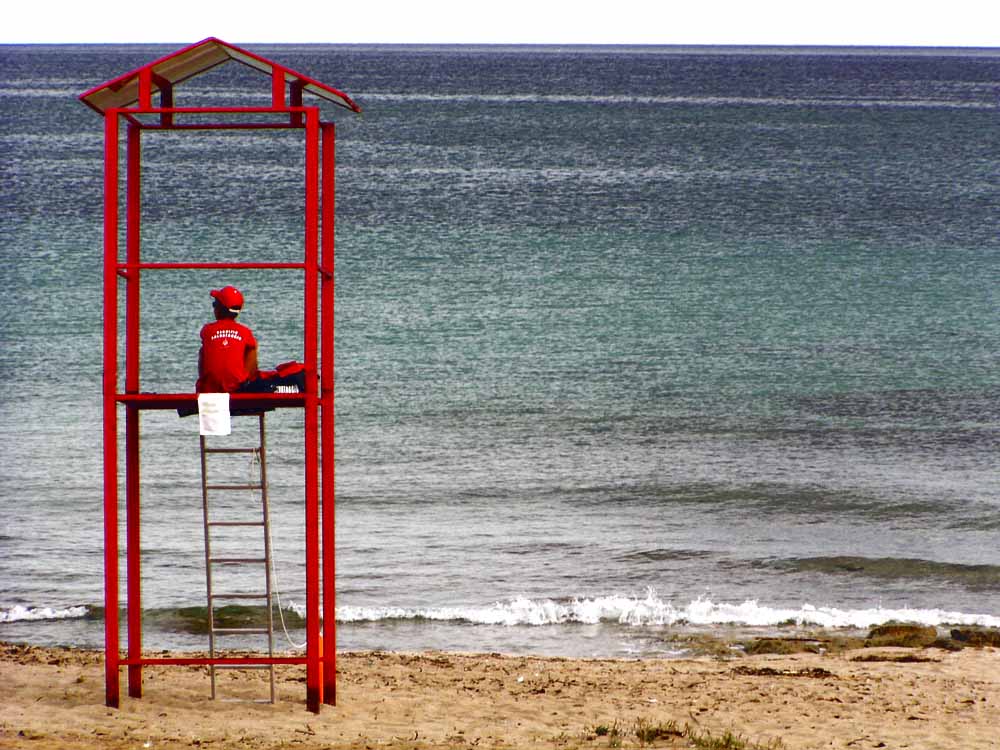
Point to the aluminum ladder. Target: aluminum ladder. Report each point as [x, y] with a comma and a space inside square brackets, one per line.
[230, 560]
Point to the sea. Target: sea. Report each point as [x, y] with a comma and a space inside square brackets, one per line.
[633, 344]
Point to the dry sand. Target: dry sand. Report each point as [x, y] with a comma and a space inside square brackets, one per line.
[54, 698]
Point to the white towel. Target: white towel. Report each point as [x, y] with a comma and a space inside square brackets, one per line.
[213, 414]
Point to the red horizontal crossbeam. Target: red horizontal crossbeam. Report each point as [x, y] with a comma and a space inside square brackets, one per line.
[212, 110]
[237, 400]
[216, 125]
[186, 266]
[293, 117]
[207, 660]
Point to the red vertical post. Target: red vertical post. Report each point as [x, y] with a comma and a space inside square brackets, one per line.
[145, 88]
[295, 100]
[278, 87]
[110, 386]
[326, 380]
[132, 513]
[313, 684]
[166, 101]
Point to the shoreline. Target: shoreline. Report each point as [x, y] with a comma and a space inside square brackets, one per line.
[855, 697]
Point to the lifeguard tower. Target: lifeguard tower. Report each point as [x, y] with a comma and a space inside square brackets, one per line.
[145, 99]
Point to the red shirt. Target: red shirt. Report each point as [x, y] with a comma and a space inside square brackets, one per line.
[224, 345]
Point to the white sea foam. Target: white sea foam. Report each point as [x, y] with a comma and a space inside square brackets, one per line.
[19, 613]
[653, 611]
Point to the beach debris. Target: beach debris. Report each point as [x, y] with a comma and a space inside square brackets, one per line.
[898, 658]
[902, 634]
[977, 636]
[782, 646]
[814, 672]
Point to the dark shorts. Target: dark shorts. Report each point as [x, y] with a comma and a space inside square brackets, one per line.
[291, 383]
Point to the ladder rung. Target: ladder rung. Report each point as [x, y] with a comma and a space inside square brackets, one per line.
[241, 631]
[235, 523]
[257, 486]
[243, 666]
[236, 596]
[232, 450]
[237, 559]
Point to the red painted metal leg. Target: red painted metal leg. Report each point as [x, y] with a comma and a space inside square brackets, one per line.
[132, 551]
[313, 686]
[132, 454]
[110, 384]
[327, 416]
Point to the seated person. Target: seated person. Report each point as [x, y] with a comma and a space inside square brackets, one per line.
[227, 360]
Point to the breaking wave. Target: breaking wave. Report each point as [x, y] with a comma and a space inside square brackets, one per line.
[647, 611]
[653, 611]
[19, 613]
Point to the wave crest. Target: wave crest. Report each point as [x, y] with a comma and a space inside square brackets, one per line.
[628, 611]
[654, 611]
[19, 613]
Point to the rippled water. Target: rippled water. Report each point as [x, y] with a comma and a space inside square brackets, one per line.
[628, 340]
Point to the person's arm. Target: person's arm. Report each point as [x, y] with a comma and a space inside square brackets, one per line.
[250, 362]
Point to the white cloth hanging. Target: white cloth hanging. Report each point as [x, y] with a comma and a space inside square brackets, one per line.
[213, 414]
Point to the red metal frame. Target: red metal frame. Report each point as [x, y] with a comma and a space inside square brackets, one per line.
[317, 266]
[327, 425]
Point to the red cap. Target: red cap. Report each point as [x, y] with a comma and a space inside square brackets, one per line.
[229, 297]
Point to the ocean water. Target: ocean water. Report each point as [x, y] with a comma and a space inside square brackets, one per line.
[631, 342]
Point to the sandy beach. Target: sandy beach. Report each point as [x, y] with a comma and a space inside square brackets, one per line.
[856, 698]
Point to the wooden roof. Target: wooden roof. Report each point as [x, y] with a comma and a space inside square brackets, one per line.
[127, 90]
